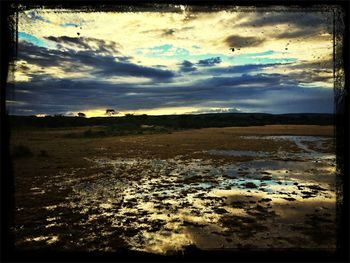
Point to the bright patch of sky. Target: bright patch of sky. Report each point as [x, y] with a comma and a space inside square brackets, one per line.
[170, 52]
[36, 41]
[177, 61]
[32, 39]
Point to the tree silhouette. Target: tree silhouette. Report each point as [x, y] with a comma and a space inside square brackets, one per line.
[80, 114]
[110, 112]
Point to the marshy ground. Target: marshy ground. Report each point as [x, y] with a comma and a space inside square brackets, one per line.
[215, 188]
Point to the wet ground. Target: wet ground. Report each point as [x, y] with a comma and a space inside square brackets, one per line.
[261, 199]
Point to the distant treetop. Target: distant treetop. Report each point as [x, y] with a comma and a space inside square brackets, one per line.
[110, 112]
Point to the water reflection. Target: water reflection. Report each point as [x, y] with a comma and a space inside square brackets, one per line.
[164, 205]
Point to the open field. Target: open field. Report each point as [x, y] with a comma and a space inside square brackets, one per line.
[215, 188]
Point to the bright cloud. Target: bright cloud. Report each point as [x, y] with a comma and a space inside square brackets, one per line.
[185, 60]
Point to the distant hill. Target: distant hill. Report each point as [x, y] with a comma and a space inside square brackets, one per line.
[177, 121]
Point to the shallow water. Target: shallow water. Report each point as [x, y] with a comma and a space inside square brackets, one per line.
[302, 142]
[238, 153]
[164, 205]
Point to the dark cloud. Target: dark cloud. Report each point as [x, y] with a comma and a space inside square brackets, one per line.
[321, 65]
[169, 32]
[310, 76]
[224, 110]
[237, 41]
[63, 95]
[248, 90]
[209, 62]
[69, 40]
[298, 19]
[104, 65]
[39, 55]
[192, 10]
[187, 66]
[109, 67]
[242, 69]
[272, 93]
[300, 24]
[296, 100]
[263, 80]
[88, 43]
[299, 33]
[309, 72]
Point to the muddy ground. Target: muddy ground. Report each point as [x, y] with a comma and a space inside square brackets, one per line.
[216, 188]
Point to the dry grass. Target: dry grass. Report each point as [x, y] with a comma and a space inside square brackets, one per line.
[67, 153]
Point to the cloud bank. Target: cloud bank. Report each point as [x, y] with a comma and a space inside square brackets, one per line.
[149, 61]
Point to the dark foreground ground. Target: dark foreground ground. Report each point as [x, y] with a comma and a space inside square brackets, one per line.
[266, 187]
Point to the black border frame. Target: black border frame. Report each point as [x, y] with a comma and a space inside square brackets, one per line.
[8, 52]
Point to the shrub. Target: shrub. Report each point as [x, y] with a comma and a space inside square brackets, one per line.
[21, 151]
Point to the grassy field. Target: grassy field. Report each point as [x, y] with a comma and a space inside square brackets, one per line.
[79, 192]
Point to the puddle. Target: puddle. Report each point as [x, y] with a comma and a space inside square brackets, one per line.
[304, 143]
[300, 141]
[238, 153]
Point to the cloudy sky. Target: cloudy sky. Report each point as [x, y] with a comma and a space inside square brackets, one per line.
[175, 62]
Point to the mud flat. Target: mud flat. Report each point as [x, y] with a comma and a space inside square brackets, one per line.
[223, 188]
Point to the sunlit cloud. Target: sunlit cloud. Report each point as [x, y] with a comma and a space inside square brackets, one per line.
[178, 62]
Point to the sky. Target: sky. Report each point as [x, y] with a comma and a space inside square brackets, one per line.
[185, 60]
